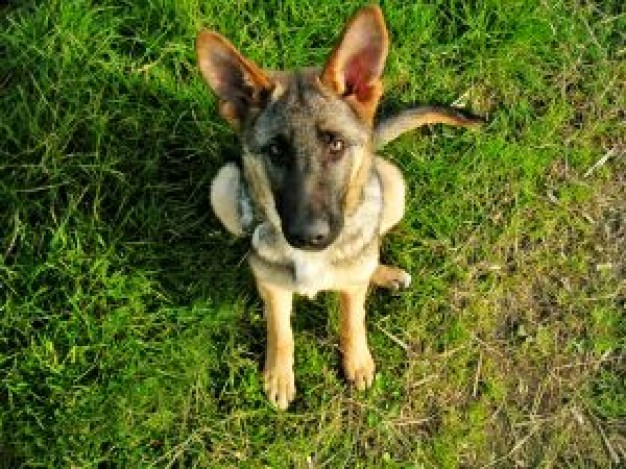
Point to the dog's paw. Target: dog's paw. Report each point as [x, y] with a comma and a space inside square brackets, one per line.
[358, 366]
[401, 281]
[392, 278]
[279, 385]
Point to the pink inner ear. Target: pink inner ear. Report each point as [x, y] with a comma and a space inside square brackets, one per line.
[360, 71]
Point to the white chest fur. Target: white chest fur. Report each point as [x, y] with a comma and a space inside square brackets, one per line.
[311, 274]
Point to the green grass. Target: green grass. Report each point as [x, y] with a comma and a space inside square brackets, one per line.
[130, 331]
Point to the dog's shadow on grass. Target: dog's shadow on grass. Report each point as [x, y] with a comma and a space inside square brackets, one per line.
[158, 213]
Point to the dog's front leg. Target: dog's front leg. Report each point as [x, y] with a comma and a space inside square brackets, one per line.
[358, 365]
[278, 374]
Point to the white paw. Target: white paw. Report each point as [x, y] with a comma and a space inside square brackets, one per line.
[404, 280]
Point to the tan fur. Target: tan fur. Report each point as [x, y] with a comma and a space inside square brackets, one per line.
[394, 194]
[358, 364]
[259, 187]
[223, 201]
[360, 173]
[278, 373]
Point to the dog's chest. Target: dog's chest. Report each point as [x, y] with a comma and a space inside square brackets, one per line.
[303, 272]
[307, 273]
[349, 261]
[311, 274]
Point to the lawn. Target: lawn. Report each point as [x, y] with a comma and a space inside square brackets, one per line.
[131, 334]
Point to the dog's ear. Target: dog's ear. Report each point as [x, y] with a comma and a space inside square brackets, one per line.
[240, 85]
[356, 64]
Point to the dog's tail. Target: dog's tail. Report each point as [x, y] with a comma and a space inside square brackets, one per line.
[391, 128]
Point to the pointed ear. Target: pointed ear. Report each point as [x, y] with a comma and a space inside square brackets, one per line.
[240, 85]
[355, 66]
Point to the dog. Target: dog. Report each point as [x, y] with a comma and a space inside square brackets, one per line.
[311, 191]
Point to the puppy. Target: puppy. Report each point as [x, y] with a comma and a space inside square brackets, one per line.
[311, 192]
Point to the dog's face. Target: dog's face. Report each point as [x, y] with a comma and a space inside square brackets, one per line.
[306, 134]
[309, 142]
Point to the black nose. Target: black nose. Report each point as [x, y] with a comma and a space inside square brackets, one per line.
[313, 235]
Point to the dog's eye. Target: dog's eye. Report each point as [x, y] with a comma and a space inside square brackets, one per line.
[277, 152]
[334, 143]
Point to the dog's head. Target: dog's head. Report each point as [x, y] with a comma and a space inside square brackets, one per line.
[306, 134]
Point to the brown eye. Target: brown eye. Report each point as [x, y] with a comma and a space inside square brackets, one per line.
[336, 145]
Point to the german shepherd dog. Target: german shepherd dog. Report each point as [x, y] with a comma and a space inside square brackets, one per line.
[311, 191]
